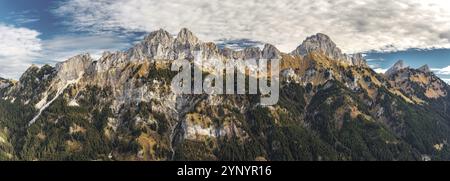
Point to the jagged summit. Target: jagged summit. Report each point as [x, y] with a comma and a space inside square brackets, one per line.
[357, 59]
[271, 52]
[399, 65]
[159, 36]
[185, 36]
[162, 45]
[425, 68]
[319, 43]
[322, 43]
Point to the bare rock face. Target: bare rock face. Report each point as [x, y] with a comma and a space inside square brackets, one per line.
[74, 67]
[157, 45]
[160, 45]
[320, 43]
[399, 65]
[245, 54]
[270, 52]
[209, 51]
[424, 69]
[251, 53]
[184, 45]
[357, 59]
[186, 40]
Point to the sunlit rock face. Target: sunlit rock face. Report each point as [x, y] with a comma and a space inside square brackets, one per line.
[321, 43]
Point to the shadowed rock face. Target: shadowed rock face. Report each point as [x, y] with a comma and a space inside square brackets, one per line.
[4, 83]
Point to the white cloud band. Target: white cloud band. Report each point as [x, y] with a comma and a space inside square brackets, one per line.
[18, 47]
[442, 71]
[355, 25]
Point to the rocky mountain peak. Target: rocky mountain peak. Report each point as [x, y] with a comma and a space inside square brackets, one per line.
[399, 65]
[357, 59]
[185, 36]
[318, 42]
[321, 43]
[424, 68]
[160, 36]
[157, 45]
[271, 52]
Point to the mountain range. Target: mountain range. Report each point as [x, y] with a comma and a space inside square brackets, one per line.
[332, 106]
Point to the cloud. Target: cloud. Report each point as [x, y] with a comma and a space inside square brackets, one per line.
[447, 81]
[62, 47]
[23, 17]
[380, 70]
[21, 47]
[375, 60]
[442, 71]
[356, 26]
[239, 44]
[18, 47]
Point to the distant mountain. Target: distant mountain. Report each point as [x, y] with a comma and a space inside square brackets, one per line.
[120, 107]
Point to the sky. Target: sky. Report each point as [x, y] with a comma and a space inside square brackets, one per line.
[45, 32]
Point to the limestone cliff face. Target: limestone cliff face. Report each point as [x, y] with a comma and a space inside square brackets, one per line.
[357, 60]
[157, 45]
[271, 52]
[399, 65]
[73, 68]
[321, 43]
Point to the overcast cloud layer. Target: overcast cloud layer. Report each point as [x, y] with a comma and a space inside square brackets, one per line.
[63, 47]
[356, 26]
[18, 47]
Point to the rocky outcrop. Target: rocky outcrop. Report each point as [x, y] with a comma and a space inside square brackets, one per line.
[425, 69]
[184, 45]
[399, 65]
[321, 43]
[4, 83]
[357, 59]
[157, 45]
[271, 52]
[74, 67]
